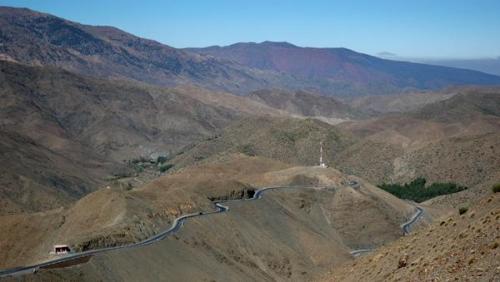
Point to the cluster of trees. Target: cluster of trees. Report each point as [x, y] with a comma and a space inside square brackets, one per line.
[418, 192]
[139, 164]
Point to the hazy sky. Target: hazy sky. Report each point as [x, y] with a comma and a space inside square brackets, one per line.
[419, 28]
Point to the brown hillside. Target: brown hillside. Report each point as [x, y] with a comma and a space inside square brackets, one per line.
[450, 140]
[290, 140]
[392, 148]
[302, 103]
[63, 134]
[461, 248]
[396, 103]
[298, 225]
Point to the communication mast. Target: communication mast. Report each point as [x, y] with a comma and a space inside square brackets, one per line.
[321, 163]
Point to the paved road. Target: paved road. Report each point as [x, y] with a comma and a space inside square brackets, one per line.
[176, 225]
[405, 227]
[358, 252]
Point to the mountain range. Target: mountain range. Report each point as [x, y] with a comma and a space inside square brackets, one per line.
[55, 108]
[63, 134]
[106, 139]
[41, 39]
[340, 71]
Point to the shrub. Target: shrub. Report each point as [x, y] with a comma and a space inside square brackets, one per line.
[418, 192]
[139, 168]
[121, 174]
[496, 188]
[462, 210]
[140, 159]
[165, 167]
[161, 159]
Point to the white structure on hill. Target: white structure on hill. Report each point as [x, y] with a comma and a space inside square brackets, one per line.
[60, 250]
[321, 163]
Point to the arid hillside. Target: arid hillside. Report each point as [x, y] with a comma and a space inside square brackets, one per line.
[407, 102]
[125, 159]
[456, 139]
[291, 140]
[294, 222]
[63, 134]
[302, 103]
[459, 247]
[277, 103]
[36, 177]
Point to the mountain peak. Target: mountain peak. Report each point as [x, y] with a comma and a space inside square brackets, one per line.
[283, 44]
[110, 52]
[266, 43]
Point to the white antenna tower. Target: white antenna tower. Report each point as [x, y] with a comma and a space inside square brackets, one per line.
[321, 163]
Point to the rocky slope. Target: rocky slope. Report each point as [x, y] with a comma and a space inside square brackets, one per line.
[460, 247]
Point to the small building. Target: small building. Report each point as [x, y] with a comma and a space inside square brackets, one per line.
[61, 250]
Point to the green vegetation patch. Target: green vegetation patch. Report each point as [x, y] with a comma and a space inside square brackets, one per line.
[161, 159]
[418, 192]
[139, 168]
[496, 188]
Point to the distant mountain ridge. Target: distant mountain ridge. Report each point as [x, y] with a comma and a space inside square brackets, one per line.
[343, 70]
[41, 39]
[35, 38]
[487, 65]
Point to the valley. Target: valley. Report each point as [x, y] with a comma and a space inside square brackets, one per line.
[323, 220]
[248, 162]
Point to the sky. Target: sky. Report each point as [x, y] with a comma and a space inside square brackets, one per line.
[417, 29]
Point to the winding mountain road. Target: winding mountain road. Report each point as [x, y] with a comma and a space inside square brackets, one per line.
[405, 226]
[176, 225]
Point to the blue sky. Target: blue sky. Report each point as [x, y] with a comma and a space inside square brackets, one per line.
[423, 28]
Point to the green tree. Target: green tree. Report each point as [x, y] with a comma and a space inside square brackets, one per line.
[418, 192]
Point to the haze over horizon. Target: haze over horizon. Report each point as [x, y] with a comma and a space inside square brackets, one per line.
[427, 29]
